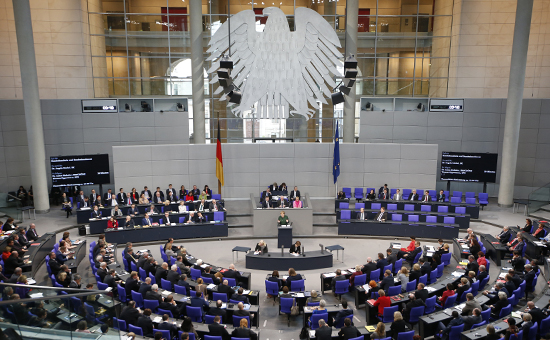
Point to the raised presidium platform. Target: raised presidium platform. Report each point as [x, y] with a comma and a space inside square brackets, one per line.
[276, 261]
[36, 253]
[265, 220]
[395, 228]
[472, 209]
[83, 215]
[163, 232]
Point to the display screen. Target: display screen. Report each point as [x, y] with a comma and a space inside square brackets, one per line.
[469, 167]
[80, 170]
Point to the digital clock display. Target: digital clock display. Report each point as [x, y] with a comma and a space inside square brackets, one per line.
[446, 107]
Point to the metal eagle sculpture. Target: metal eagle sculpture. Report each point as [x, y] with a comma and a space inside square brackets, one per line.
[280, 70]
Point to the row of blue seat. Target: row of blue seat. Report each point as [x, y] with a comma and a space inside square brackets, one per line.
[470, 196]
[408, 207]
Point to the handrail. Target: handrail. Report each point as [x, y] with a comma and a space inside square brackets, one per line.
[538, 198]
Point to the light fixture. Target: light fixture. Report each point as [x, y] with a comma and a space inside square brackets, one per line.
[223, 73]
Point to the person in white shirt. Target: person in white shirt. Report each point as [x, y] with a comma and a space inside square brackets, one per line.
[397, 196]
[182, 207]
[361, 215]
[166, 219]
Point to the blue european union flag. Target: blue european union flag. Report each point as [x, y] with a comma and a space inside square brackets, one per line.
[336, 161]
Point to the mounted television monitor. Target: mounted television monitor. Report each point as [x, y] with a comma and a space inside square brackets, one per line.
[80, 170]
[469, 167]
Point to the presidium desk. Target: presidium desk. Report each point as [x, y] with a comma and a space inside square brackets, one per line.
[398, 228]
[278, 260]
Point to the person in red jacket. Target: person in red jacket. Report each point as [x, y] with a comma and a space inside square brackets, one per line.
[449, 292]
[382, 302]
[112, 223]
[481, 260]
[411, 247]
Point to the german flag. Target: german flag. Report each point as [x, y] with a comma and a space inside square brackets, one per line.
[219, 161]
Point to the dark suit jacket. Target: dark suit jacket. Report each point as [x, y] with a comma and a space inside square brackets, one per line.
[482, 275]
[342, 315]
[131, 284]
[233, 274]
[292, 196]
[169, 327]
[150, 268]
[469, 321]
[161, 273]
[215, 329]
[391, 258]
[429, 198]
[386, 283]
[199, 302]
[529, 277]
[120, 198]
[54, 266]
[150, 295]
[411, 196]
[384, 216]
[130, 315]
[214, 278]
[171, 307]
[144, 288]
[504, 236]
[381, 263]
[323, 333]
[426, 268]
[244, 333]
[414, 275]
[422, 294]
[134, 211]
[32, 235]
[129, 224]
[173, 277]
[106, 199]
[146, 325]
[110, 281]
[226, 289]
[267, 205]
[537, 315]
[369, 267]
[218, 311]
[161, 195]
[349, 332]
[238, 297]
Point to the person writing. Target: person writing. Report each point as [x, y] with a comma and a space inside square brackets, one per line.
[295, 248]
[112, 223]
[283, 219]
[261, 247]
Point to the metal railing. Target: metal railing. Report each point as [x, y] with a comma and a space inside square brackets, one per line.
[538, 198]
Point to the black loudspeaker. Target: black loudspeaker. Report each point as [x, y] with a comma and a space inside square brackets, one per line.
[223, 73]
[226, 62]
[337, 98]
[235, 97]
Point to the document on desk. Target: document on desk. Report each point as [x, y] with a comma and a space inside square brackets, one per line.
[430, 289]
[457, 274]
[36, 295]
[210, 286]
[327, 275]
[166, 293]
[396, 246]
[366, 287]
[294, 254]
[299, 295]
[312, 334]
[157, 319]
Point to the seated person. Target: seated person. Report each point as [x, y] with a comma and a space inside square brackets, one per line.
[295, 248]
[370, 196]
[261, 247]
[382, 302]
[297, 203]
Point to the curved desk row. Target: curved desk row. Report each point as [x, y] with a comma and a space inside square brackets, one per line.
[463, 220]
[163, 232]
[400, 229]
[97, 226]
[83, 215]
[277, 261]
[471, 209]
[37, 252]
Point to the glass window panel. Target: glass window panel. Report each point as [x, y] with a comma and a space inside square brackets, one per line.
[149, 87]
[148, 67]
[422, 87]
[442, 25]
[116, 6]
[148, 25]
[366, 66]
[393, 45]
[437, 47]
[119, 87]
[365, 87]
[394, 87]
[116, 66]
[394, 67]
[439, 67]
[365, 46]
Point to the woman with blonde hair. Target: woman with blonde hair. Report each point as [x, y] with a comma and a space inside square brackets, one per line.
[243, 331]
[398, 325]
[143, 199]
[380, 332]
[63, 279]
[201, 287]
[402, 276]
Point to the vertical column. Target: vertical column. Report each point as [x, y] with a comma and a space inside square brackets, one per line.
[31, 102]
[520, 46]
[197, 81]
[352, 10]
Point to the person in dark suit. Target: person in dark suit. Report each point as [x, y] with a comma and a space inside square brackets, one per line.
[146, 324]
[425, 267]
[517, 262]
[390, 256]
[537, 315]
[275, 278]
[472, 265]
[154, 294]
[294, 194]
[76, 281]
[528, 277]
[508, 283]
[173, 276]
[381, 216]
[473, 319]
[348, 331]
[292, 276]
[133, 210]
[121, 196]
[147, 193]
[370, 196]
[398, 325]
[295, 248]
[129, 222]
[243, 331]
[426, 197]
[385, 195]
[158, 193]
[444, 330]
[412, 255]
[172, 198]
[482, 273]
[150, 266]
[32, 234]
[142, 260]
[161, 272]
[96, 213]
[191, 218]
[215, 329]
[145, 286]
[343, 313]
[218, 311]
[127, 200]
[198, 301]
[183, 282]
[55, 266]
[501, 303]
[387, 281]
[382, 188]
[107, 197]
[146, 220]
[324, 332]
[413, 196]
[165, 325]
[12, 262]
[240, 297]
[132, 283]
[504, 235]
[413, 302]
[369, 267]
[210, 275]
[261, 247]
[110, 279]
[421, 292]
[232, 273]
[224, 288]
[170, 304]
[441, 196]
[381, 263]
[266, 203]
[170, 190]
[130, 314]
[338, 277]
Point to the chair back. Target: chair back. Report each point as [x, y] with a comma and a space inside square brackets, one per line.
[463, 296]
[180, 290]
[341, 287]
[423, 279]
[396, 217]
[475, 287]
[482, 323]
[411, 285]
[397, 265]
[345, 214]
[126, 264]
[449, 220]
[456, 200]
[431, 219]
[394, 290]
[413, 218]
[347, 191]
[165, 333]
[470, 194]
[450, 301]
[76, 304]
[440, 269]
[416, 313]
[359, 205]
[358, 194]
[409, 207]
[121, 325]
[222, 296]
[207, 279]
[387, 316]
[470, 200]
[460, 210]
[360, 280]
[405, 335]
[142, 274]
[406, 193]
[138, 298]
[209, 319]
[512, 300]
[344, 205]
[195, 313]
[216, 197]
[340, 323]
[486, 315]
[237, 320]
[545, 326]
[133, 267]
[151, 304]
[219, 216]
[209, 337]
[165, 311]
[230, 281]
[392, 206]
[375, 206]
[446, 259]
[375, 275]
[286, 304]
[433, 276]
[135, 329]
[505, 311]
[153, 279]
[430, 305]
[533, 332]
[425, 208]
[517, 337]
[454, 334]
[100, 286]
[483, 198]
[122, 293]
[442, 208]
[271, 288]
[299, 285]
[195, 273]
[485, 280]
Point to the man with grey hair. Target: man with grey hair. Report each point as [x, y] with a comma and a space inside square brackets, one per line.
[241, 311]
[145, 286]
[369, 267]
[55, 266]
[471, 320]
[98, 260]
[493, 297]
[504, 236]
[102, 271]
[161, 273]
[529, 278]
[16, 273]
[153, 294]
[224, 288]
[76, 282]
[482, 273]
[182, 266]
[470, 305]
[324, 332]
[501, 303]
[173, 276]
